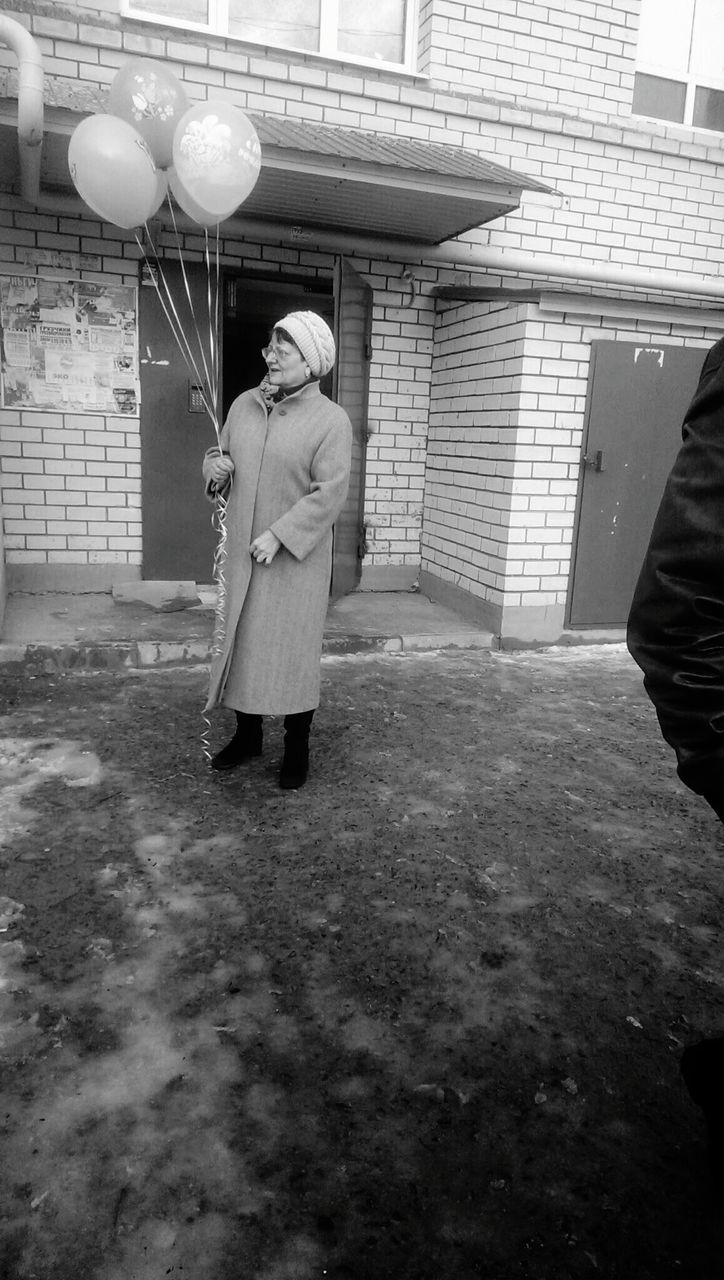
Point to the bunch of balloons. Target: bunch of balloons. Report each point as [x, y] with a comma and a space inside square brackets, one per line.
[124, 163]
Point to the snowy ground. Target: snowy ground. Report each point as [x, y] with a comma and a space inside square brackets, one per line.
[420, 1020]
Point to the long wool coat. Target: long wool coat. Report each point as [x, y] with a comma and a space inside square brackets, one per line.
[292, 464]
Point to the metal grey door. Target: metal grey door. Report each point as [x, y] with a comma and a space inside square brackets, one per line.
[354, 318]
[637, 398]
[178, 539]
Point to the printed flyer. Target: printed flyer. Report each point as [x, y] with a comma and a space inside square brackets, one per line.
[69, 345]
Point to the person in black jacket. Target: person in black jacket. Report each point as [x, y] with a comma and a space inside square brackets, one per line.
[676, 635]
[676, 624]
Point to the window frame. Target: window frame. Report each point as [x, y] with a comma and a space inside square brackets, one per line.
[218, 25]
[691, 80]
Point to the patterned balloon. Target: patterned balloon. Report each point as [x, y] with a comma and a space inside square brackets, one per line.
[217, 158]
[146, 94]
[189, 205]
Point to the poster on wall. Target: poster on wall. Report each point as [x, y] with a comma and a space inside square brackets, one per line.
[69, 345]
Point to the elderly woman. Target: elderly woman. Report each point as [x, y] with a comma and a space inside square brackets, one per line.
[288, 449]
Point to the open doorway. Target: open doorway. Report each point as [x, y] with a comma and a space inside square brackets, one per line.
[178, 538]
[250, 310]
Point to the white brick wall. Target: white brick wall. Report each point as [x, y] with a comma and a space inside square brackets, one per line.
[70, 484]
[58, 470]
[572, 54]
[507, 424]
[544, 88]
[629, 191]
[399, 405]
[70, 488]
[471, 457]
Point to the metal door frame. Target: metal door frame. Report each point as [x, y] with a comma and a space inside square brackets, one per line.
[261, 280]
[341, 262]
[602, 344]
[591, 626]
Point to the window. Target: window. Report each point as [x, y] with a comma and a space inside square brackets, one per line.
[680, 62]
[380, 34]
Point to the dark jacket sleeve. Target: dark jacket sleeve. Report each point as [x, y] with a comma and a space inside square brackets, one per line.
[676, 624]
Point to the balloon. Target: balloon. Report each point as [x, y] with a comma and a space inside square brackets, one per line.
[161, 192]
[113, 170]
[217, 157]
[189, 205]
[146, 94]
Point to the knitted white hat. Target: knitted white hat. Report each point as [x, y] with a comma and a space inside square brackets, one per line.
[314, 338]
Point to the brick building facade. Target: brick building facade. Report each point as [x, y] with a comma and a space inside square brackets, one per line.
[485, 347]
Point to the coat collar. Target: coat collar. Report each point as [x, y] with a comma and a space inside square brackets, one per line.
[307, 392]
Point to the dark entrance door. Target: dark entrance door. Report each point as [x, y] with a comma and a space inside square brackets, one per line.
[354, 312]
[637, 398]
[178, 539]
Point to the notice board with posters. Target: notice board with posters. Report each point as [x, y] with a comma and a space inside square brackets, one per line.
[69, 345]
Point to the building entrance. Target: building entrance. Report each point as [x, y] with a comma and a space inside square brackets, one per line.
[178, 538]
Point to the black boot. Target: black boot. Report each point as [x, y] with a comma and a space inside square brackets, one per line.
[295, 764]
[245, 743]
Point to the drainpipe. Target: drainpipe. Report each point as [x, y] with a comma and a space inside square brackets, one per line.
[30, 103]
[456, 253]
[462, 254]
[571, 268]
[465, 253]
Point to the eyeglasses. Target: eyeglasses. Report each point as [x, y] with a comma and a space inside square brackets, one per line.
[279, 353]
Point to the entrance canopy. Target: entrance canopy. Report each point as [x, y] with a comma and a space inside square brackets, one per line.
[319, 176]
[323, 176]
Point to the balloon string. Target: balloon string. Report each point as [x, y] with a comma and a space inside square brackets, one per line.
[181, 337]
[174, 325]
[213, 297]
[212, 336]
[216, 315]
[170, 311]
[218, 521]
[169, 307]
[192, 312]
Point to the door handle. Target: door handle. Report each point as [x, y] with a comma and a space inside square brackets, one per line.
[594, 460]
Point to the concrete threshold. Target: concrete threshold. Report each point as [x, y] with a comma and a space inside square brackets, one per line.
[62, 633]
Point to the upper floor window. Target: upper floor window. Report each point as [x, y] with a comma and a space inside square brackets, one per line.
[680, 62]
[381, 33]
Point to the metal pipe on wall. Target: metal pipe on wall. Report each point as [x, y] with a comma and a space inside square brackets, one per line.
[466, 253]
[30, 103]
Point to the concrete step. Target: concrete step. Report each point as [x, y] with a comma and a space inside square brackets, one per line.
[60, 632]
